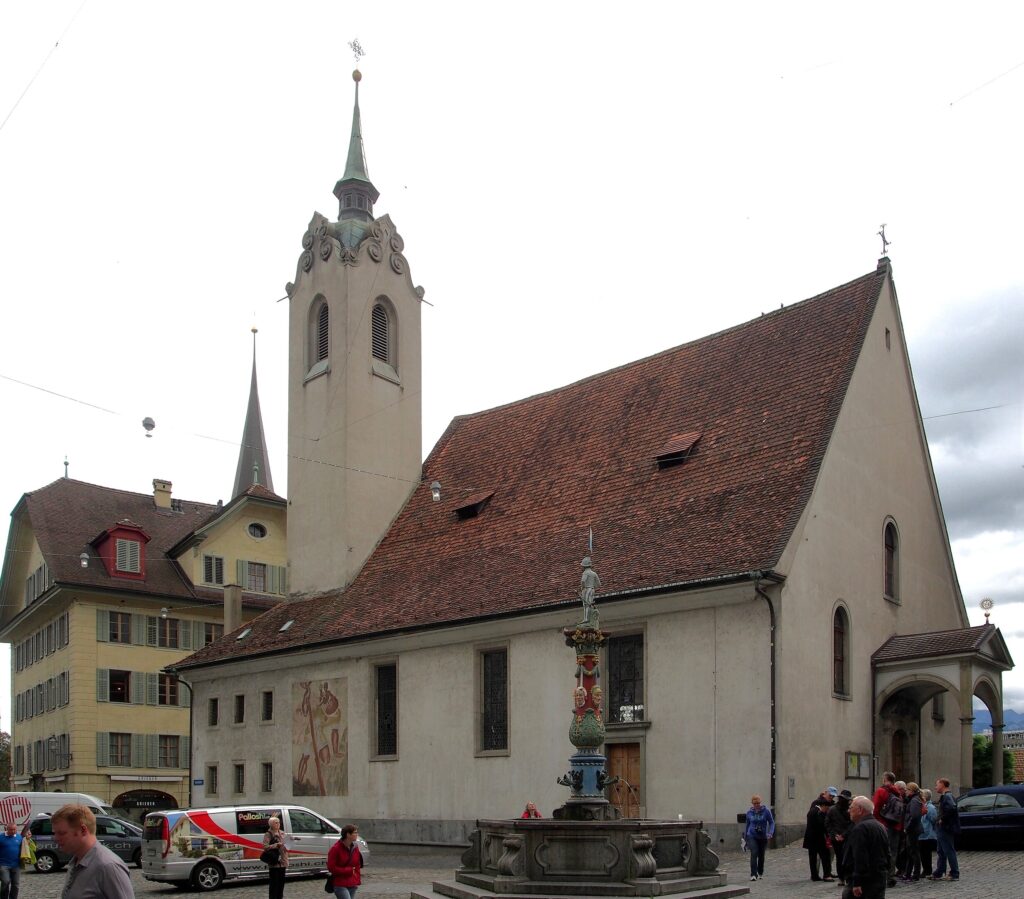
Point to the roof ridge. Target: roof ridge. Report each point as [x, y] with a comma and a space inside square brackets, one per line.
[643, 360]
[118, 490]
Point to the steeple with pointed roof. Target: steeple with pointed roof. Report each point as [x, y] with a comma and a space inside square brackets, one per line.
[355, 192]
[253, 462]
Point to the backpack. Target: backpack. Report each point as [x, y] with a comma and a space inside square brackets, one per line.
[893, 808]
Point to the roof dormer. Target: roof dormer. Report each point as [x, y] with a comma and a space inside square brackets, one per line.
[123, 550]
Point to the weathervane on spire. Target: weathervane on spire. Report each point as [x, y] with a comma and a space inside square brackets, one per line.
[357, 50]
[885, 241]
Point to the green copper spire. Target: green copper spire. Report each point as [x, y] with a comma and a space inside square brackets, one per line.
[355, 192]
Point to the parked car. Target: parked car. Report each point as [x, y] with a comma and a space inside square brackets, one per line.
[121, 837]
[991, 816]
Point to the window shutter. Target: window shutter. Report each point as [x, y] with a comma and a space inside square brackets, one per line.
[138, 751]
[137, 688]
[241, 570]
[102, 625]
[139, 630]
[102, 685]
[152, 749]
[282, 579]
[102, 748]
[150, 630]
[185, 634]
[184, 746]
[198, 632]
[184, 695]
[152, 688]
[272, 586]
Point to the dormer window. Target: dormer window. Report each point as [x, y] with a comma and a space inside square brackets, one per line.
[473, 505]
[128, 556]
[677, 449]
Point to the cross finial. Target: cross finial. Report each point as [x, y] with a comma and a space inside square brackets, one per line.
[357, 50]
[885, 241]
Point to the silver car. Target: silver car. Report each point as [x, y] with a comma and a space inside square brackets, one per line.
[121, 837]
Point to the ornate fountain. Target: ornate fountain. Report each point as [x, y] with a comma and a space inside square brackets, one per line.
[586, 848]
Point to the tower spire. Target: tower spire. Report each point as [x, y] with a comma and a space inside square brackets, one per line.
[355, 192]
[253, 463]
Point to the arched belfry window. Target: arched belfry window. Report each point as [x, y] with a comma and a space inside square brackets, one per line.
[841, 653]
[319, 339]
[381, 337]
[892, 562]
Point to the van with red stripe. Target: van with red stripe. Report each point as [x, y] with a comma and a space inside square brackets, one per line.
[202, 848]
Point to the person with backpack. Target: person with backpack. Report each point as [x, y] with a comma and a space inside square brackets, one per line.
[889, 807]
[344, 861]
[759, 829]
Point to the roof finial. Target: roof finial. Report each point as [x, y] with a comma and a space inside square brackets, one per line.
[355, 192]
[65, 466]
[986, 606]
[885, 241]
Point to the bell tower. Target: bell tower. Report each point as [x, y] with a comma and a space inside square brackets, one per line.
[354, 384]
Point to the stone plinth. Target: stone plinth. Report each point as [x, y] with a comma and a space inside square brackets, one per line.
[549, 858]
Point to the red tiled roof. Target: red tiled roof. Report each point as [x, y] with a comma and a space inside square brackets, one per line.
[765, 396]
[935, 643]
[66, 514]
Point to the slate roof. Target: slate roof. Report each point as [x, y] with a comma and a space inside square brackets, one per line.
[66, 514]
[935, 643]
[763, 396]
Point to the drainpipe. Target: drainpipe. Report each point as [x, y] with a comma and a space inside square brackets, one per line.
[771, 680]
[191, 710]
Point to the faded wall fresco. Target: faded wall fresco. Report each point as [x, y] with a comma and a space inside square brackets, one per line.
[320, 737]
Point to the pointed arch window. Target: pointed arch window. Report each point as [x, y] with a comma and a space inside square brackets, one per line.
[892, 562]
[322, 332]
[841, 653]
[381, 338]
[318, 346]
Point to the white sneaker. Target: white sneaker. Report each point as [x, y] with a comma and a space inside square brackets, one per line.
[753, 877]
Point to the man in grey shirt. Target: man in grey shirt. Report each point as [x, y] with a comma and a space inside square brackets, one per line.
[95, 872]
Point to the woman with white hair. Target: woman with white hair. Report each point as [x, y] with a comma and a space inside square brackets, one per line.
[274, 839]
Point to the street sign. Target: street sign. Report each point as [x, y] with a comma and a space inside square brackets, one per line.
[198, 782]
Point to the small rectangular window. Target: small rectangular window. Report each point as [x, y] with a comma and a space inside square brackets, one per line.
[211, 780]
[120, 686]
[213, 711]
[168, 690]
[256, 578]
[239, 778]
[168, 632]
[387, 709]
[120, 627]
[212, 632]
[626, 678]
[267, 705]
[213, 570]
[169, 748]
[268, 777]
[240, 709]
[494, 704]
[120, 750]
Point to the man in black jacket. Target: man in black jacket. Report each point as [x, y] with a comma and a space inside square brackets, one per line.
[867, 856]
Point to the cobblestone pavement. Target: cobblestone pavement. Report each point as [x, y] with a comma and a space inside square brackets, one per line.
[394, 871]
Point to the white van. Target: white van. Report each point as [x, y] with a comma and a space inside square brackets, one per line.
[205, 847]
[22, 807]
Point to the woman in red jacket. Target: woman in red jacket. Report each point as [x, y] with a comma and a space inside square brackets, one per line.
[344, 862]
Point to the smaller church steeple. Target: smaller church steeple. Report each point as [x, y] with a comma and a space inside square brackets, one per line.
[253, 462]
[355, 192]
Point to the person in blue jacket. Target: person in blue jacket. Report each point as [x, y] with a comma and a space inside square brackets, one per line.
[759, 830]
[10, 862]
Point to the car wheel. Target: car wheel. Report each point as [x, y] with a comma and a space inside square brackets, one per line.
[207, 876]
[137, 858]
[47, 862]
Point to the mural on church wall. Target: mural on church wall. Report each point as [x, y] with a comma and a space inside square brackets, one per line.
[320, 737]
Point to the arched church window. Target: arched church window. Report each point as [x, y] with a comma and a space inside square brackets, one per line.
[892, 562]
[381, 336]
[322, 337]
[840, 653]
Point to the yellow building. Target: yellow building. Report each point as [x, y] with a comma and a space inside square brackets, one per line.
[103, 589]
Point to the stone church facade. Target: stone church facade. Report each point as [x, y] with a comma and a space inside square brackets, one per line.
[776, 575]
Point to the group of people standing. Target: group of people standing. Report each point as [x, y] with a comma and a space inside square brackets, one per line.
[344, 861]
[875, 840]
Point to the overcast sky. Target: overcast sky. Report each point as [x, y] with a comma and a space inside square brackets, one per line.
[577, 185]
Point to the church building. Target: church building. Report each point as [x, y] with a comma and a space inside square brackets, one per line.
[775, 574]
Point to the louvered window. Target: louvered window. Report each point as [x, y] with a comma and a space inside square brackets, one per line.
[213, 570]
[128, 555]
[381, 334]
[322, 333]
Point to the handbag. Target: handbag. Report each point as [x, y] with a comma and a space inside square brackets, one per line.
[329, 886]
[271, 856]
